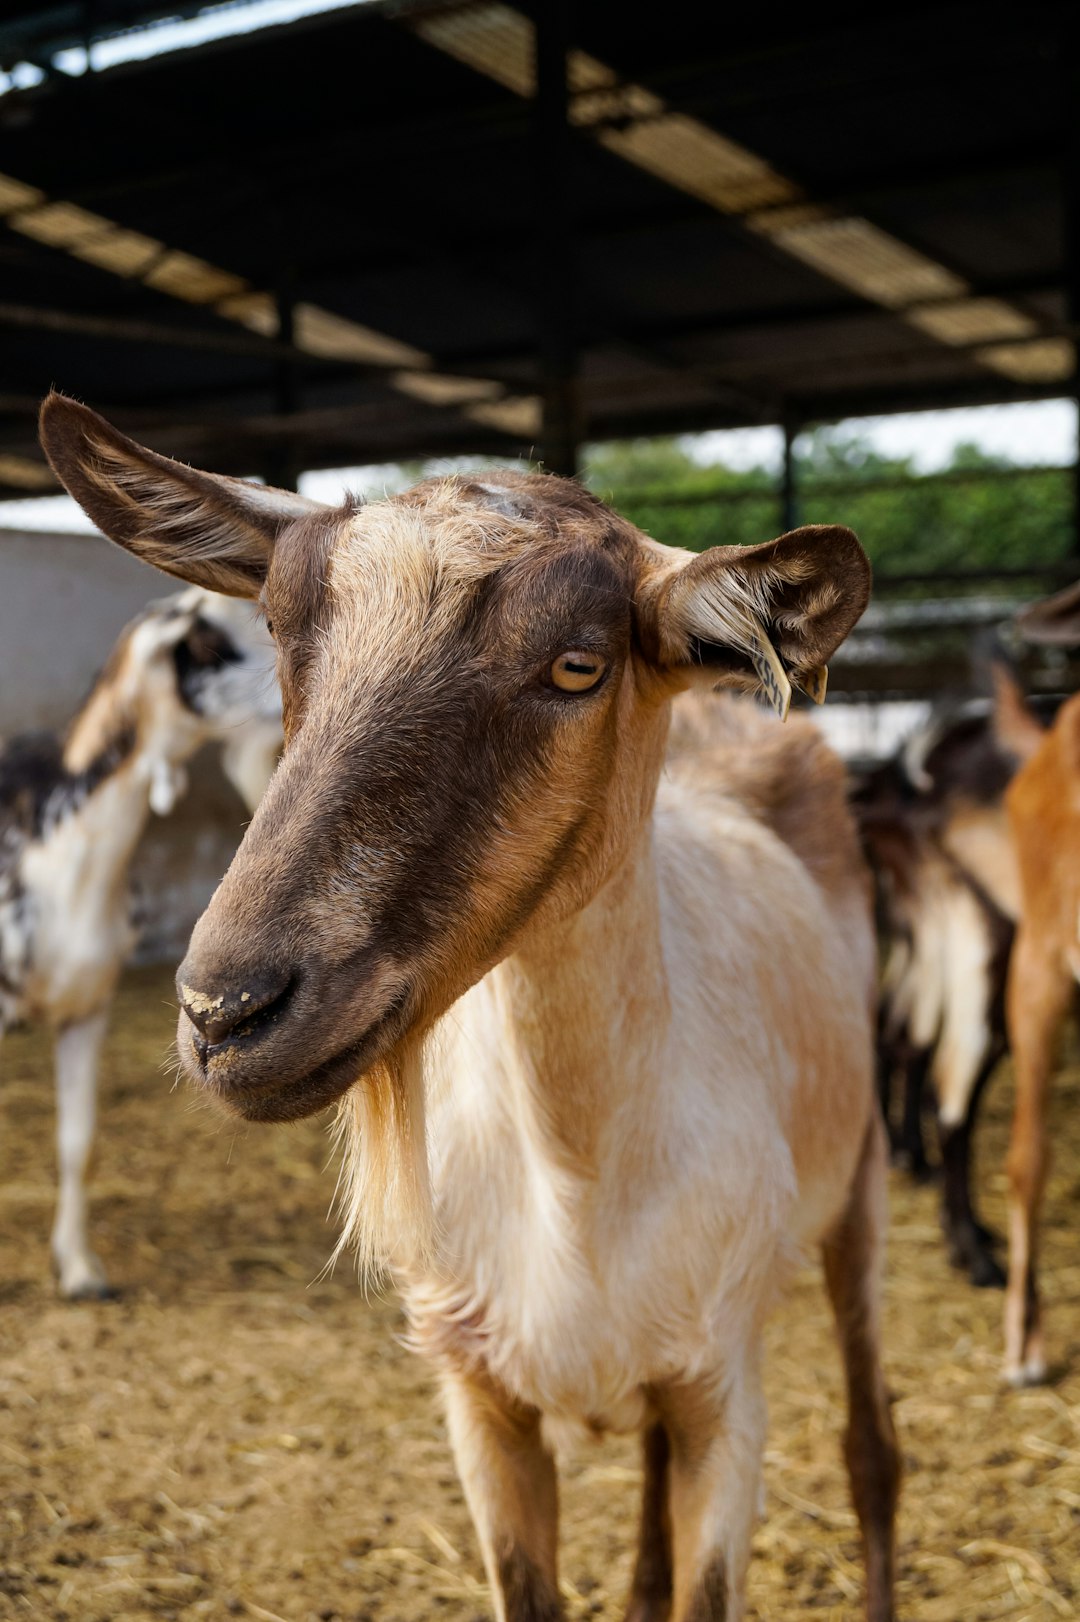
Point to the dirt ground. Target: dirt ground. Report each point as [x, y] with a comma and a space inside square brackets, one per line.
[235, 1437]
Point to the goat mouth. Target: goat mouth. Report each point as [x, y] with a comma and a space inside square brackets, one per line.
[290, 1097]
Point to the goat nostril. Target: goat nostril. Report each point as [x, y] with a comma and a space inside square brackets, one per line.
[232, 1012]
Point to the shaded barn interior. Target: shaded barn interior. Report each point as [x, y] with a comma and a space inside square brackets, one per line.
[393, 230]
[407, 229]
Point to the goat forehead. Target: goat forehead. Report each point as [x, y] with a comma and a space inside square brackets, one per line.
[402, 570]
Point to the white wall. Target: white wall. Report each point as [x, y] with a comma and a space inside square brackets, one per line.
[63, 601]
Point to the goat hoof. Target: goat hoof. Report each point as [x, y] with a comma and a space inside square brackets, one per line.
[969, 1251]
[85, 1282]
[917, 1167]
[646, 1608]
[1031, 1372]
[961, 1252]
[986, 1273]
[91, 1292]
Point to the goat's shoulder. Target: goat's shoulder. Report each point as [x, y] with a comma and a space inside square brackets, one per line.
[1046, 785]
[1043, 804]
[1059, 749]
[784, 777]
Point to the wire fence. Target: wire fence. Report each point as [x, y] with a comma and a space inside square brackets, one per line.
[956, 554]
[997, 529]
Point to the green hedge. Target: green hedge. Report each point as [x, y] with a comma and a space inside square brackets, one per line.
[984, 520]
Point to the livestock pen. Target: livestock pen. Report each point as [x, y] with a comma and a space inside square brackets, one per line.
[351, 236]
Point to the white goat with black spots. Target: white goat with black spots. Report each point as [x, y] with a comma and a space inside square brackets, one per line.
[193, 667]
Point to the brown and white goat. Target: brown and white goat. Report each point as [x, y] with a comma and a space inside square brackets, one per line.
[600, 1031]
[934, 830]
[72, 811]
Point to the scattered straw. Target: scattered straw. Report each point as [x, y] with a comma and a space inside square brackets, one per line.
[228, 1428]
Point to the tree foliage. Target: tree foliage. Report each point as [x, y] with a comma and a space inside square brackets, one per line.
[981, 513]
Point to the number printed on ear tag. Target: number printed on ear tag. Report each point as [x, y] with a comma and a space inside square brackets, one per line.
[815, 683]
[770, 673]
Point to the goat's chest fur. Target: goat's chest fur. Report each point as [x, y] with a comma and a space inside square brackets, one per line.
[637, 1127]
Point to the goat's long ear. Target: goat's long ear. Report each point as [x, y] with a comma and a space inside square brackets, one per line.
[1053, 621]
[1016, 725]
[202, 527]
[760, 617]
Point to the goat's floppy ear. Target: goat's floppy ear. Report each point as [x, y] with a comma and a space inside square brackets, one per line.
[1053, 621]
[762, 617]
[202, 527]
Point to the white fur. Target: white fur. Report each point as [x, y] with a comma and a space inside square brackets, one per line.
[965, 1032]
[78, 1047]
[937, 983]
[76, 880]
[699, 1097]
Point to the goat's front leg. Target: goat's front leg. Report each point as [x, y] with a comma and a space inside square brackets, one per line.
[853, 1254]
[509, 1480]
[716, 1436]
[911, 1143]
[1040, 989]
[650, 1591]
[970, 1244]
[78, 1048]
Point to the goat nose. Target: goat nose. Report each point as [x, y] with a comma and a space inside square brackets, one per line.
[227, 1011]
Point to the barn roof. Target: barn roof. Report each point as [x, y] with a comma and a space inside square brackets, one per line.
[347, 240]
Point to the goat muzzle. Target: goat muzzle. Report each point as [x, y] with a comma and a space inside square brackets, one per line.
[232, 1013]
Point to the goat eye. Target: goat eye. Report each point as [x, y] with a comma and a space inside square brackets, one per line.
[576, 672]
[270, 626]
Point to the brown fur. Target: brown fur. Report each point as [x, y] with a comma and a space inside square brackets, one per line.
[527, 1595]
[709, 1603]
[787, 776]
[109, 713]
[1045, 822]
[651, 1587]
[509, 1478]
[870, 1449]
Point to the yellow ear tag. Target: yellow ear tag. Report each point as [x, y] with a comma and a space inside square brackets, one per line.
[770, 673]
[815, 683]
